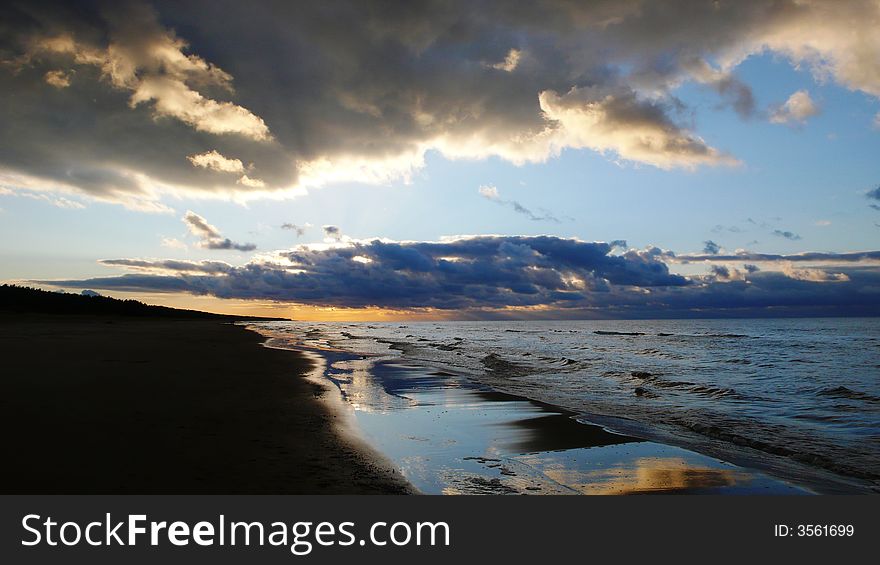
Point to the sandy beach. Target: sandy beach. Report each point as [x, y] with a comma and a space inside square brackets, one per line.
[113, 404]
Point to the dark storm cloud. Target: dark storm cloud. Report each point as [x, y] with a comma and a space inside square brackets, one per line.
[484, 276]
[126, 101]
[478, 272]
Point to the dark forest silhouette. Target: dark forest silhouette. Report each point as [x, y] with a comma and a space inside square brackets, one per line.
[26, 300]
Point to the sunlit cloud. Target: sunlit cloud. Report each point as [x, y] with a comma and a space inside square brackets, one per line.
[58, 79]
[216, 162]
[523, 85]
[209, 236]
[617, 122]
[510, 61]
[798, 108]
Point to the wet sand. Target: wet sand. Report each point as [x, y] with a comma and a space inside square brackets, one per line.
[121, 405]
[449, 435]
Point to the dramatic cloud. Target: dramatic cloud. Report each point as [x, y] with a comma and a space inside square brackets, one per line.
[617, 122]
[502, 275]
[476, 272]
[798, 108]
[149, 62]
[110, 99]
[210, 236]
[491, 194]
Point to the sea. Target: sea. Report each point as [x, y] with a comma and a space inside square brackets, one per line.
[797, 399]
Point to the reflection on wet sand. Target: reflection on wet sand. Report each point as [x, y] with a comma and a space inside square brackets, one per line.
[448, 435]
[643, 475]
[357, 385]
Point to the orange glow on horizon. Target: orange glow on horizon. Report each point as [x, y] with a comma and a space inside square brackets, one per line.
[299, 312]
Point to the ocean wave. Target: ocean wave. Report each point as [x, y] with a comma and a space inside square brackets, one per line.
[848, 393]
[504, 368]
[701, 389]
[803, 454]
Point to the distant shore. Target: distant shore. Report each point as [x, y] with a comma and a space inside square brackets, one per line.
[109, 404]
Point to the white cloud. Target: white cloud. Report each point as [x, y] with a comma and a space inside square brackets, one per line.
[174, 98]
[812, 275]
[214, 161]
[489, 191]
[245, 180]
[797, 108]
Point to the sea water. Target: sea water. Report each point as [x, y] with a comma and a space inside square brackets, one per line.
[797, 397]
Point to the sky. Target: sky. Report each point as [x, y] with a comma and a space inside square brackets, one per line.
[377, 160]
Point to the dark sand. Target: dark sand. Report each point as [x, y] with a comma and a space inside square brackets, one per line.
[121, 405]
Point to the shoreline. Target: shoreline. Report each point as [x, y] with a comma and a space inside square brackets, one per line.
[108, 404]
[451, 435]
[435, 349]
